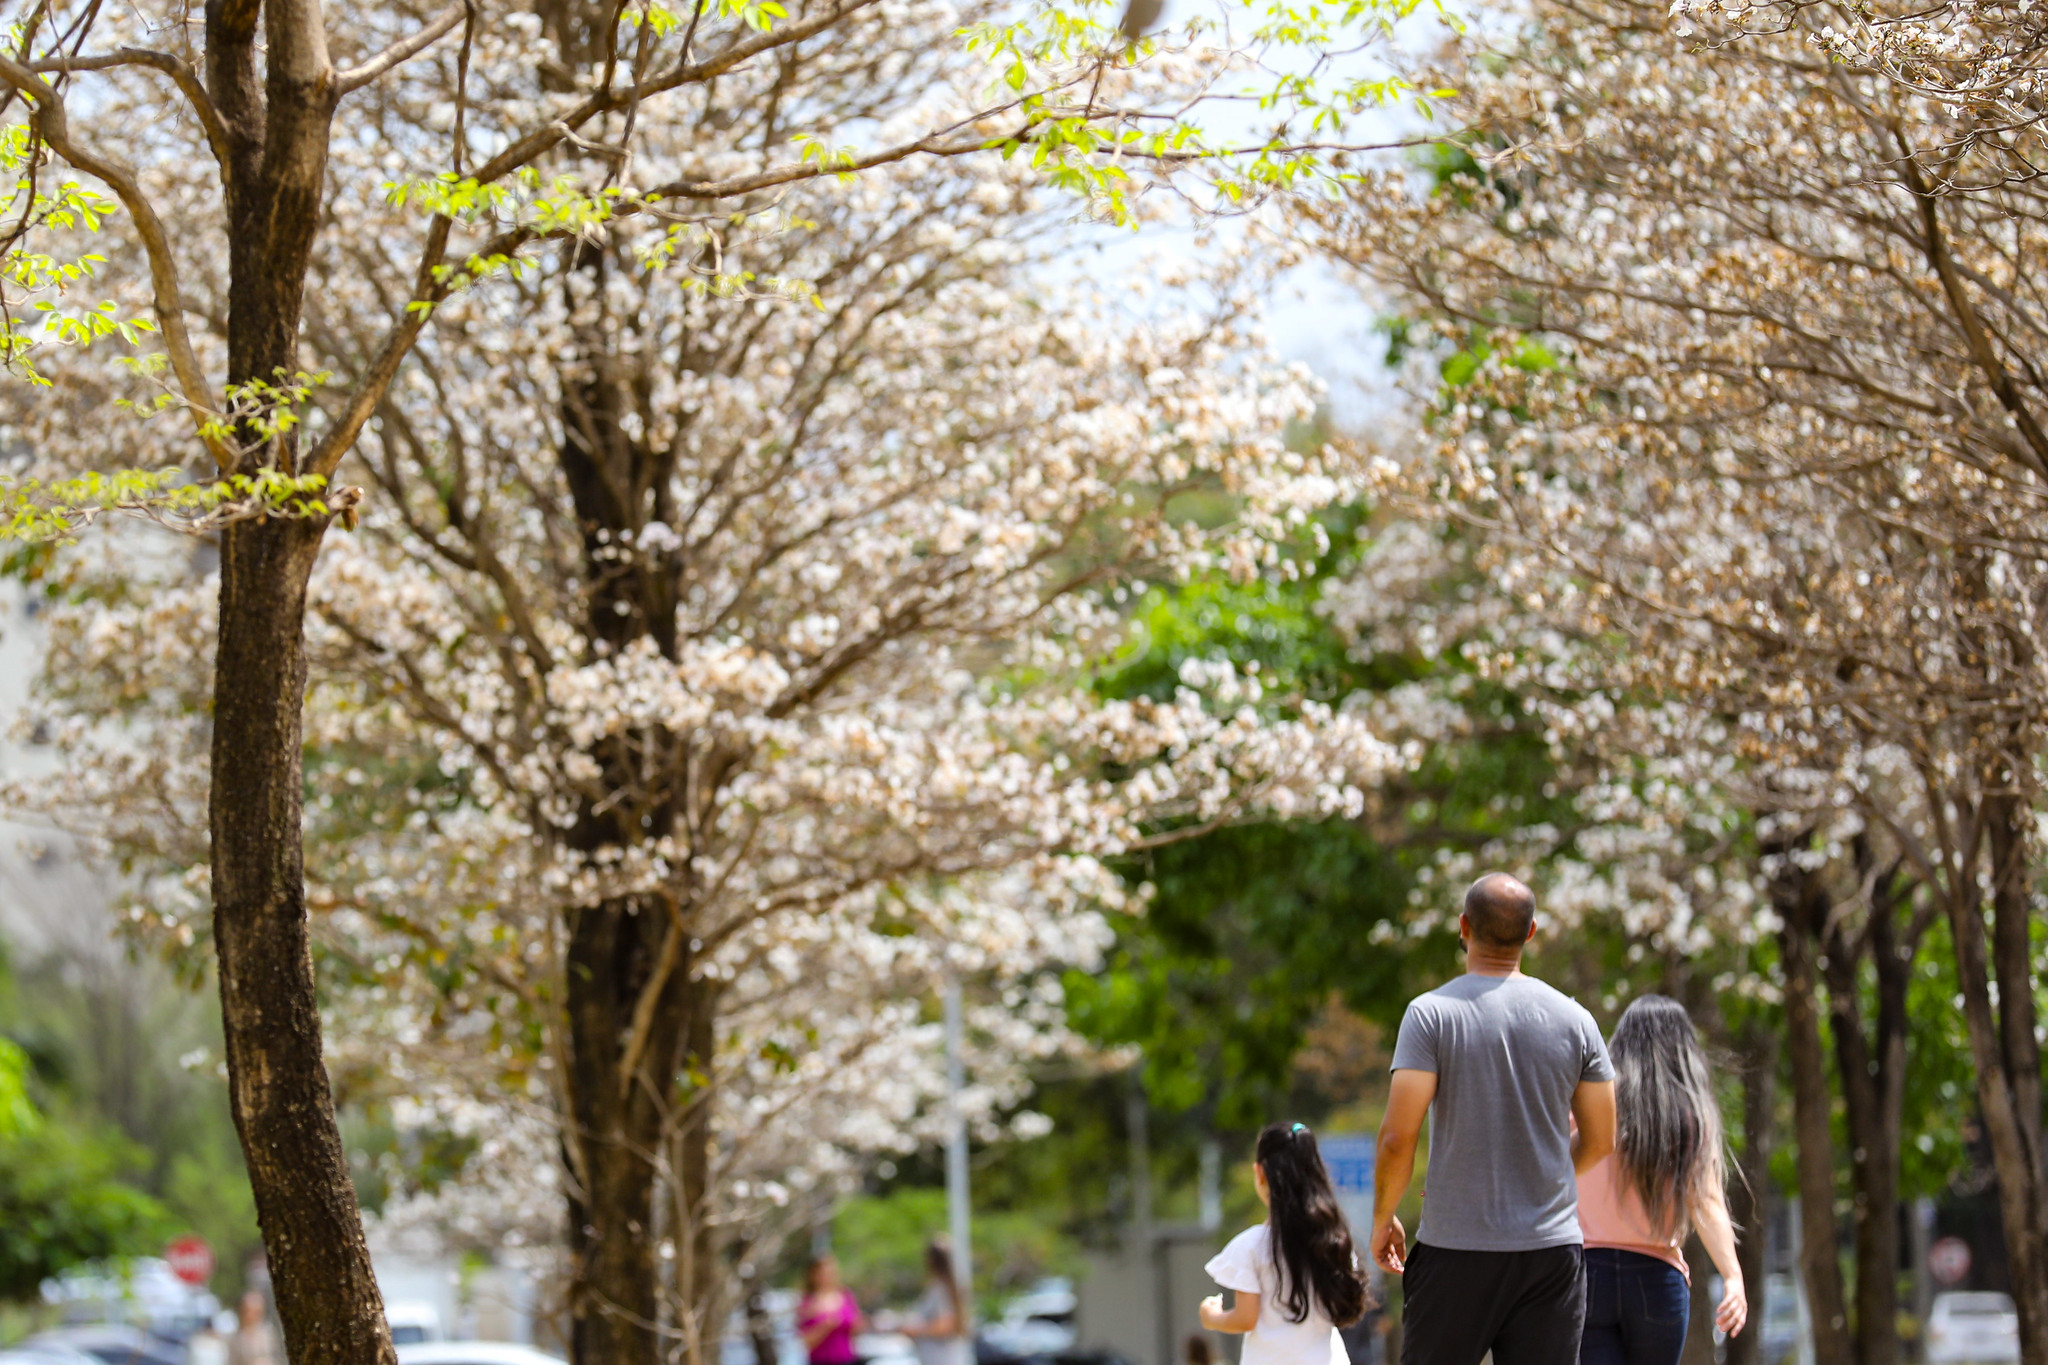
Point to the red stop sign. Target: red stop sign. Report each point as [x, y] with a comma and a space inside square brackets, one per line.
[191, 1260]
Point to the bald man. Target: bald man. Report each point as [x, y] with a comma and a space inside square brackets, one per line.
[1501, 1065]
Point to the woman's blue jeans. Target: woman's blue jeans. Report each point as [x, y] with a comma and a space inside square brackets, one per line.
[1636, 1309]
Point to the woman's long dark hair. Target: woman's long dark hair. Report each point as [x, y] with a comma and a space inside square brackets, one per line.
[1667, 1143]
[1311, 1244]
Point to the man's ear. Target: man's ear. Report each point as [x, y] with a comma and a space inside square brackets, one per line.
[1464, 925]
[1532, 930]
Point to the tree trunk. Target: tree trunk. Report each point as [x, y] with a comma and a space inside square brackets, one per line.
[2010, 1104]
[700, 1288]
[1801, 904]
[636, 1013]
[2012, 962]
[1873, 1076]
[306, 1205]
[276, 126]
[629, 1003]
[1748, 1196]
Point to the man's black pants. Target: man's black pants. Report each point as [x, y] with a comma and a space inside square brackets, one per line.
[1527, 1307]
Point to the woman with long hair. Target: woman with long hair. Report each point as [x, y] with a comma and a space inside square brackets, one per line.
[1296, 1276]
[938, 1326]
[1665, 1178]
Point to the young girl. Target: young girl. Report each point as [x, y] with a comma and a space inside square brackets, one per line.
[1296, 1275]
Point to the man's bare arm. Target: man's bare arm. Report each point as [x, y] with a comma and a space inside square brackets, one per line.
[1407, 1106]
[1593, 1107]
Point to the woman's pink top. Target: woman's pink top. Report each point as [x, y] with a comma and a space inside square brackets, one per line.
[836, 1348]
[1611, 1215]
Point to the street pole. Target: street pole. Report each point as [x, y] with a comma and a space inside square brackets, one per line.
[956, 1151]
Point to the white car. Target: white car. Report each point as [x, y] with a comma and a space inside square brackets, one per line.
[412, 1322]
[474, 1353]
[884, 1348]
[1973, 1329]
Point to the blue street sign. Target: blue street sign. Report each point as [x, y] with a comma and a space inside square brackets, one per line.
[1350, 1159]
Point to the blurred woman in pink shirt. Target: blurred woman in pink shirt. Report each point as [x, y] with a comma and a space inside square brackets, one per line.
[1664, 1179]
[827, 1316]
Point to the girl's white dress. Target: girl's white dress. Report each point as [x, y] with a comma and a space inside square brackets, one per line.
[1246, 1266]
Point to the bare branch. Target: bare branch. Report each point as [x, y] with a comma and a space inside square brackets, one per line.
[400, 52]
[429, 289]
[1968, 322]
[177, 68]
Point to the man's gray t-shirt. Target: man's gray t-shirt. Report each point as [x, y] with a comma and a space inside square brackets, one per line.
[1508, 1051]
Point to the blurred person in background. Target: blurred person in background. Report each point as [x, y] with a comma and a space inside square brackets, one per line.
[253, 1342]
[938, 1323]
[827, 1317]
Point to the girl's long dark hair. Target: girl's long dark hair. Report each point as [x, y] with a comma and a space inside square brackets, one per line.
[1667, 1143]
[1313, 1259]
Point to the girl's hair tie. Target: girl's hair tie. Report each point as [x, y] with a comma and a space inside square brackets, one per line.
[1297, 1130]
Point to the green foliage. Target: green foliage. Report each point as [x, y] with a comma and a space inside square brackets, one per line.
[1032, 60]
[35, 511]
[265, 411]
[1252, 930]
[131, 1142]
[64, 1195]
[41, 282]
[759, 15]
[66, 1200]
[17, 1113]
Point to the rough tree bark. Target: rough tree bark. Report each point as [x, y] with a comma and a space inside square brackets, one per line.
[326, 1295]
[276, 126]
[1802, 905]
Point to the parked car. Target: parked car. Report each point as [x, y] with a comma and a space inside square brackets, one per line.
[110, 1343]
[1973, 1329]
[1052, 1300]
[145, 1292]
[1035, 1326]
[412, 1321]
[884, 1348]
[1015, 1339]
[45, 1355]
[474, 1353]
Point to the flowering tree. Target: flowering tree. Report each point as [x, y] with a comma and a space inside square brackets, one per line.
[508, 131]
[1742, 395]
[1977, 68]
[706, 649]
